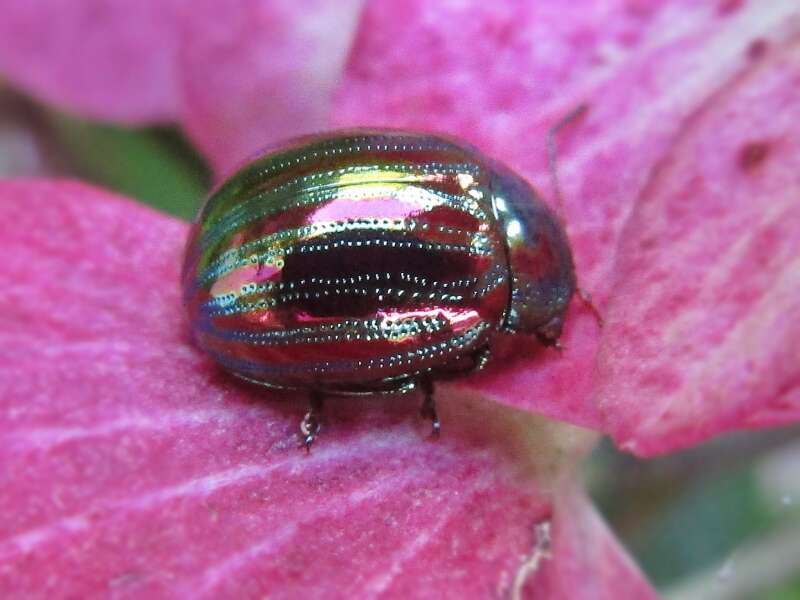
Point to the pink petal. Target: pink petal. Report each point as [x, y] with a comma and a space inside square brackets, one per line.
[596, 571]
[497, 73]
[101, 58]
[132, 467]
[257, 72]
[238, 75]
[501, 73]
[704, 328]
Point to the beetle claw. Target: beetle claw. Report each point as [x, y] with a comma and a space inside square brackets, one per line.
[586, 298]
[310, 425]
[436, 427]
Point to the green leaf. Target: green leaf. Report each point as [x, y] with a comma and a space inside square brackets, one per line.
[155, 165]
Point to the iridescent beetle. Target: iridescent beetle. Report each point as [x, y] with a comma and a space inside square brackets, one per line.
[366, 262]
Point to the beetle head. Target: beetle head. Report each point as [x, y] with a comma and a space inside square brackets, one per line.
[539, 259]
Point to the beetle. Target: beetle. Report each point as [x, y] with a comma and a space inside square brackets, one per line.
[369, 262]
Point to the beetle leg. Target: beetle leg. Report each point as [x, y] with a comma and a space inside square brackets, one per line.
[310, 425]
[428, 409]
[552, 152]
[552, 161]
[481, 356]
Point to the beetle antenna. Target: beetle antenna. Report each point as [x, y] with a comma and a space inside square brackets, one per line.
[552, 163]
[552, 153]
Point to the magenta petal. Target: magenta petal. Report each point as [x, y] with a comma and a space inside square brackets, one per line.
[501, 73]
[257, 72]
[703, 333]
[237, 75]
[101, 58]
[599, 570]
[133, 467]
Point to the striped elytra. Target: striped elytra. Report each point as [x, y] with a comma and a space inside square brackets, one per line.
[372, 261]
